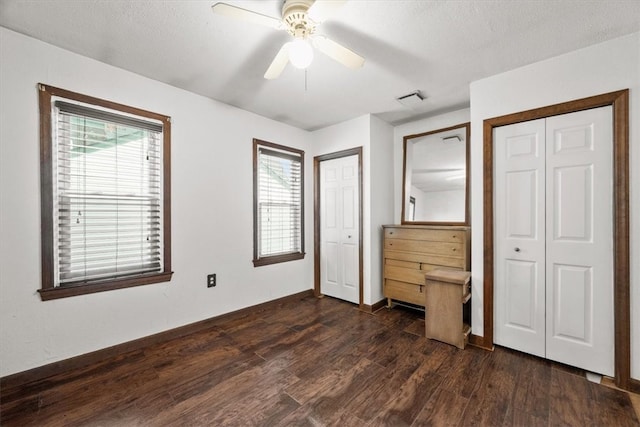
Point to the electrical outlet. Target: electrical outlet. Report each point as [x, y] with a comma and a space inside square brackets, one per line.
[211, 280]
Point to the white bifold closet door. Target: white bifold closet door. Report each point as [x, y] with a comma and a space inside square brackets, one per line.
[340, 228]
[553, 207]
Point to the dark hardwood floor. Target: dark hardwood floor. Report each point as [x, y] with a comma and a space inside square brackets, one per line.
[318, 362]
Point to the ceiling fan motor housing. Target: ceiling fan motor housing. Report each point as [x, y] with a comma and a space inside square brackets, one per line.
[294, 14]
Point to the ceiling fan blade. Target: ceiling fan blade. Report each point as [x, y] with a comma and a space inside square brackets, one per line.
[336, 51]
[278, 63]
[321, 10]
[247, 15]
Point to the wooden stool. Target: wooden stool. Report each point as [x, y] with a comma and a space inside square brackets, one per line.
[447, 293]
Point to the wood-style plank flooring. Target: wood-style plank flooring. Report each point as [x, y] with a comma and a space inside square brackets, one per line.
[318, 362]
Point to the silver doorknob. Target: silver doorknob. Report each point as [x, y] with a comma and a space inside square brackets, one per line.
[517, 249]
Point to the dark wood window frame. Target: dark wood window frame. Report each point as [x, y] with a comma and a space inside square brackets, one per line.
[619, 100]
[48, 290]
[259, 261]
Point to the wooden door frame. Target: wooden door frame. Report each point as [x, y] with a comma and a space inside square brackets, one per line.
[316, 219]
[619, 100]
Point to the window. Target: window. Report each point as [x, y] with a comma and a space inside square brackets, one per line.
[278, 207]
[105, 171]
[412, 208]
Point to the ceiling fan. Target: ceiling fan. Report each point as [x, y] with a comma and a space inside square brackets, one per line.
[300, 18]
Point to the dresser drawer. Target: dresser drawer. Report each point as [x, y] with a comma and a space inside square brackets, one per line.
[408, 292]
[402, 263]
[410, 272]
[427, 247]
[415, 259]
[455, 236]
[402, 274]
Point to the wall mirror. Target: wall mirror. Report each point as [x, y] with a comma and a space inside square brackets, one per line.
[435, 189]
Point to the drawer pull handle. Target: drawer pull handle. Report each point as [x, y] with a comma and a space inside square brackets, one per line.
[517, 249]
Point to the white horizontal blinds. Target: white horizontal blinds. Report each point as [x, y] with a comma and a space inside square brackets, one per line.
[279, 202]
[108, 195]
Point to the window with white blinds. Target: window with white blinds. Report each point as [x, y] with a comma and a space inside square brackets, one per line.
[278, 203]
[107, 196]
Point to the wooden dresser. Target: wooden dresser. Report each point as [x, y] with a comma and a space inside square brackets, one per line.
[410, 251]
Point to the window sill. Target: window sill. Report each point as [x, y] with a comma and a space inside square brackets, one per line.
[277, 259]
[83, 289]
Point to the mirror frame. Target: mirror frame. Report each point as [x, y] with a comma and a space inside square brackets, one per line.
[467, 204]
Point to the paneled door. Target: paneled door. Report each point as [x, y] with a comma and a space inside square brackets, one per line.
[340, 228]
[520, 237]
[554, 235]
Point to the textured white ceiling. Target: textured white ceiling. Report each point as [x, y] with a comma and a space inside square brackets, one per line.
[437, 47]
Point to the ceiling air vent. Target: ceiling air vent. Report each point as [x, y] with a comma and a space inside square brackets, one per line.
[411, 100]
[451, 138]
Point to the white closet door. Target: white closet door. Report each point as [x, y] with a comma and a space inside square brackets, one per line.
[340, 228]
[554, 238]
[519, 304]
[580, 240]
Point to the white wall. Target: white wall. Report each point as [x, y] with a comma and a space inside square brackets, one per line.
[211, 212]
[374, 136]
[381, 203]
[412, 128]
[598, 69]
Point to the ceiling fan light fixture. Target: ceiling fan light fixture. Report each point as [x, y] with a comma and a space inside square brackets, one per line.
[300, 53]
[298, 22]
